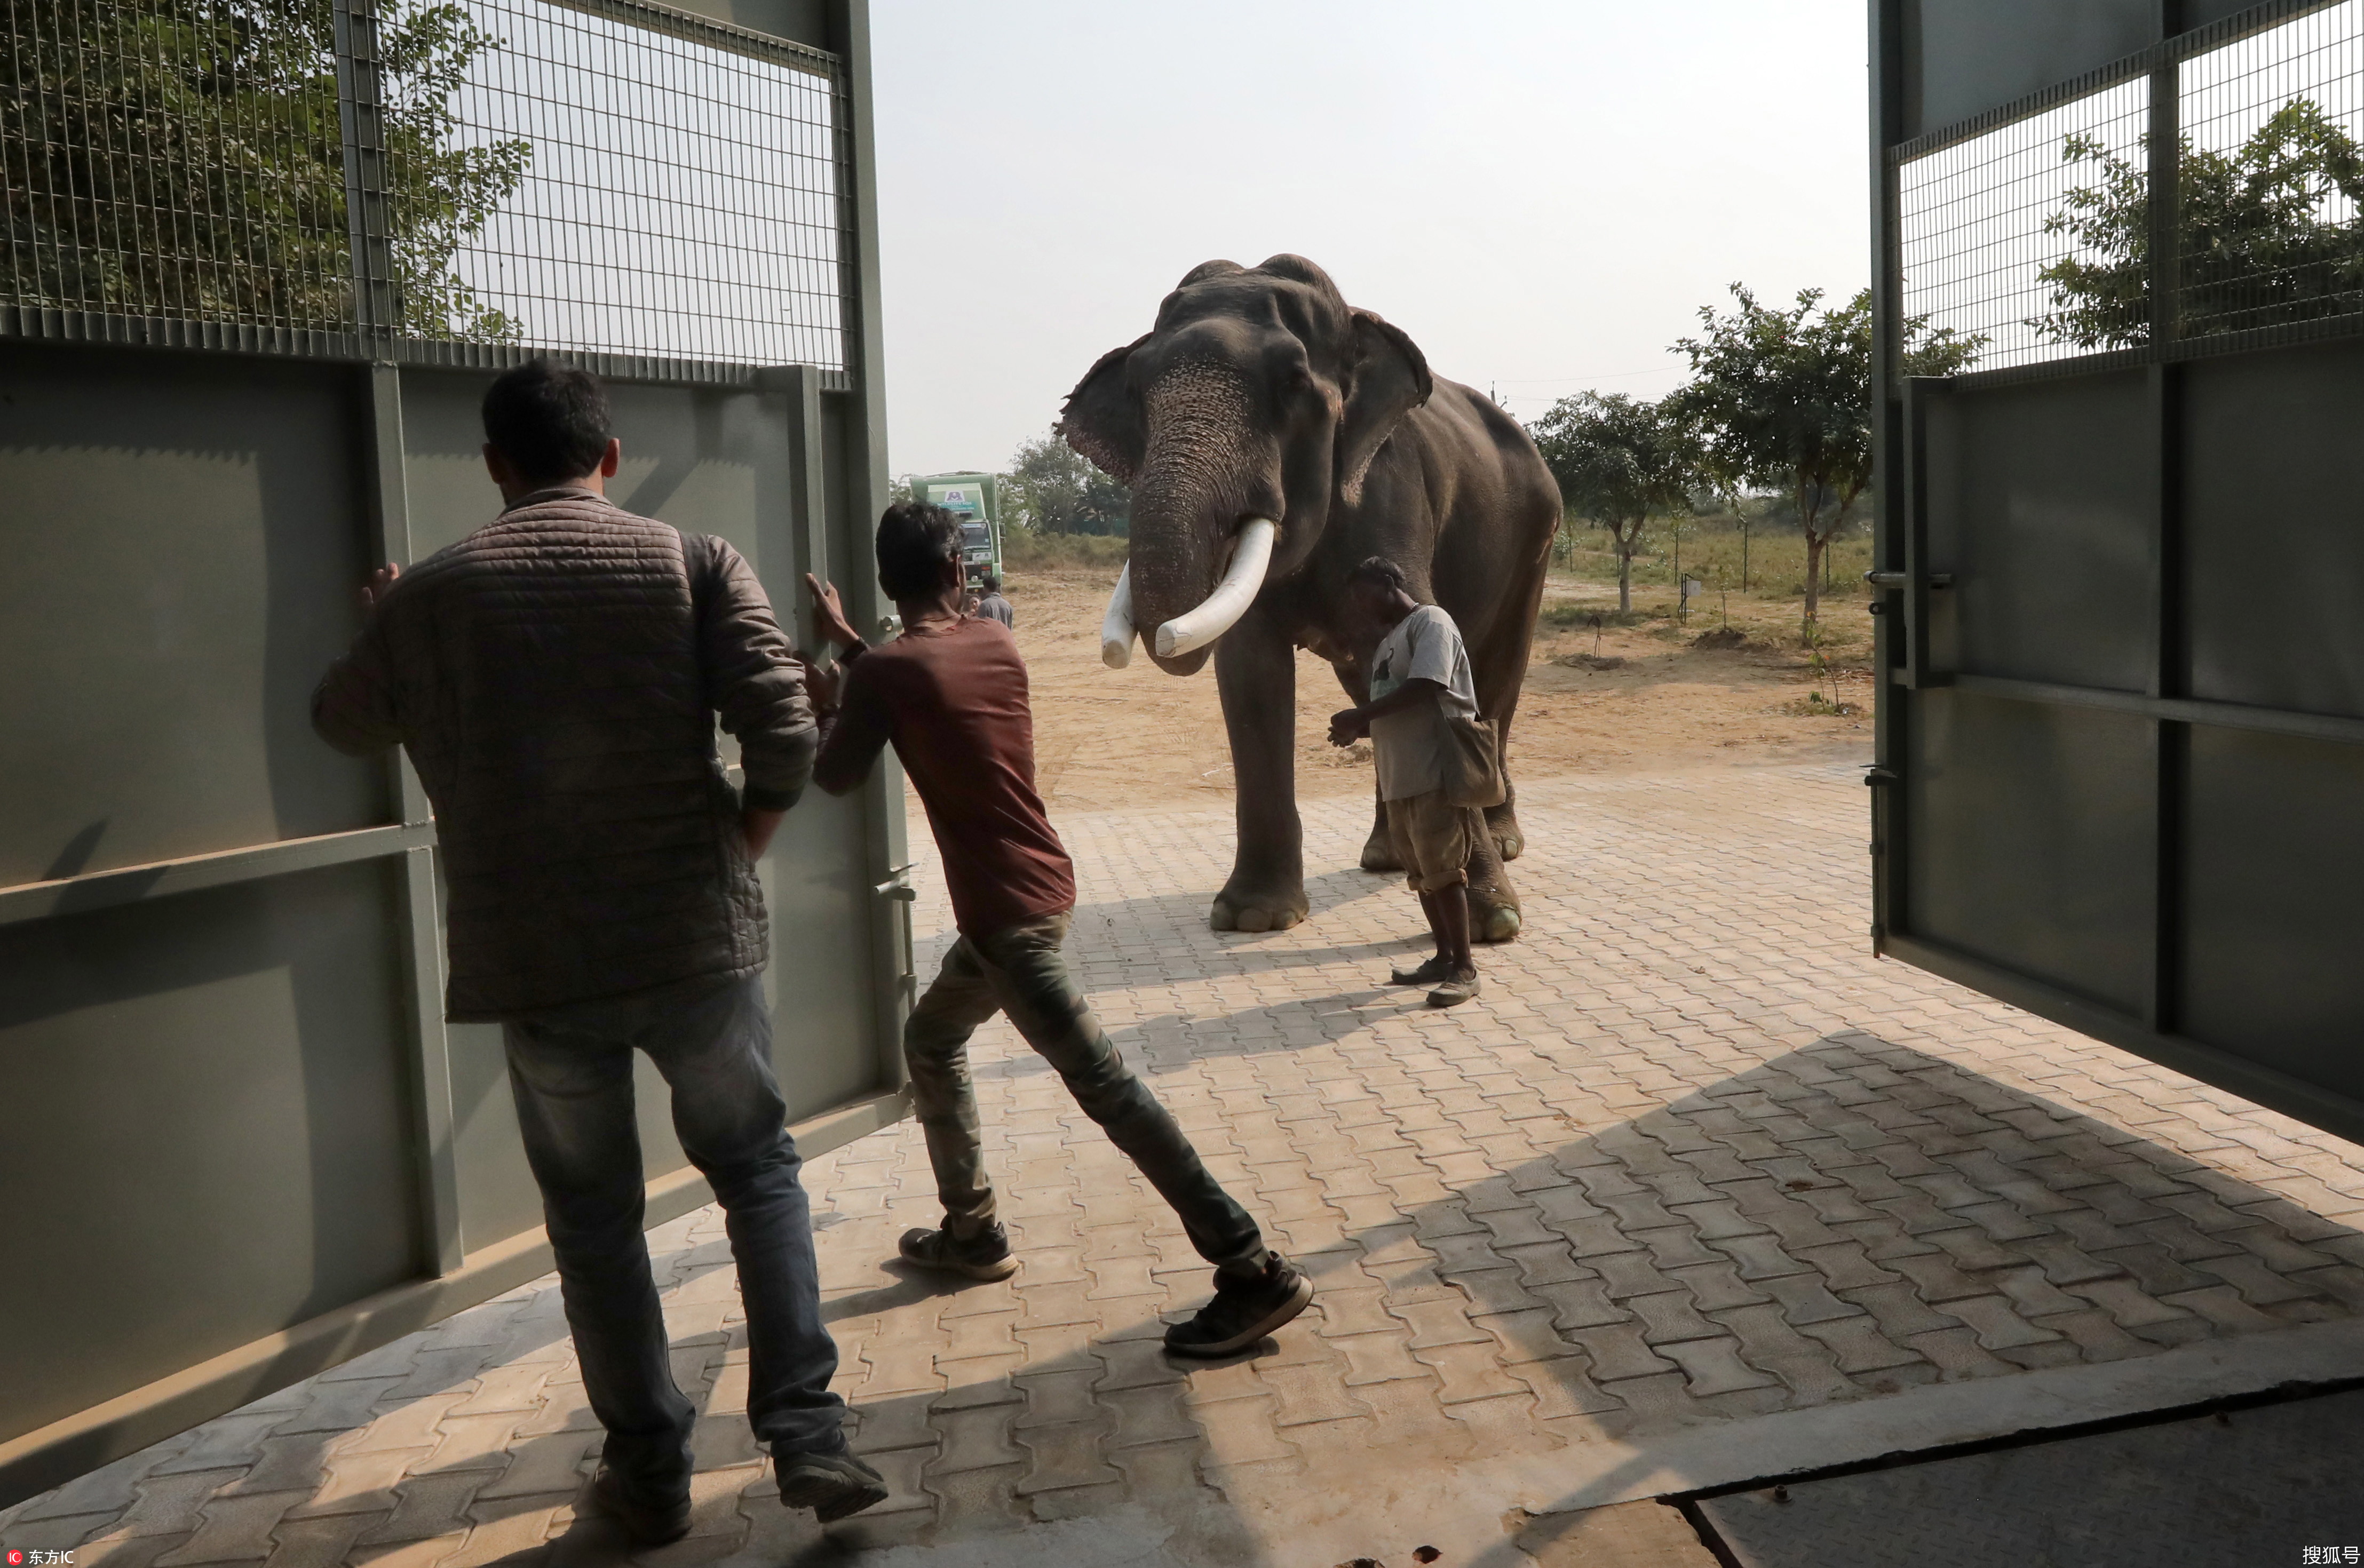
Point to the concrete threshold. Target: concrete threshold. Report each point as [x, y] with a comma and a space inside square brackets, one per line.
[1394, 1502]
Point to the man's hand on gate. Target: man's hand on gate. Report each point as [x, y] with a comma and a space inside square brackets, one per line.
[822, 686]
[373, 591]
[829, 614]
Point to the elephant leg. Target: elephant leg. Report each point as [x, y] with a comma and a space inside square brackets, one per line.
[1256, 672]
[1494, 915]
[1502, 821]
[1379, 850]
[1499, 664]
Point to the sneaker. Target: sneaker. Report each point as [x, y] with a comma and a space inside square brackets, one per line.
[1458, 988]
[832, 1484]
[1242, 1311]
[1436, 968]
[986, 1255]
[644, 1523]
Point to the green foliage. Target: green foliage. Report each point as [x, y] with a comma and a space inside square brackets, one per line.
[1618, 460]
[2258, 244]
[184, 158]
[1781, 398]
[1051, 489]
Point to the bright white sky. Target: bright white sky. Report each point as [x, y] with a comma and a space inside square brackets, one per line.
[1540, 192]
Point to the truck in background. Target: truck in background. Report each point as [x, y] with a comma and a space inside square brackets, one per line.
[976, 500]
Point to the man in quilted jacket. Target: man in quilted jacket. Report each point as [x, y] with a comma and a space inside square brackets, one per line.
[555, 677]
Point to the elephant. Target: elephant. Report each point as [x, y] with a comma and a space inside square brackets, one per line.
[1275, 437]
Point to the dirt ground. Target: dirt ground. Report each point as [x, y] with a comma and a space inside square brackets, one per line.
[1108, 739]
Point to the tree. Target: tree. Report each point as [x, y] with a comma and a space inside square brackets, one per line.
[1782, 399]
[1618, 460]
[199, 143]
[1052, 489]
[2272, 232]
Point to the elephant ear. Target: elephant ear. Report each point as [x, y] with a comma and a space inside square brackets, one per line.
[1387, 379]
[1101, 420]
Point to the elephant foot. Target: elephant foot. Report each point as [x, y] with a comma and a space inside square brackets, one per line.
[1245, 909]
[1502, 823]
[1490, 922]
[1379, 851]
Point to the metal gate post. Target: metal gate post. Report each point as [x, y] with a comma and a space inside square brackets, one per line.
[377, 305]
[865, 493]
[443, 1246]
[1886, 41]
[377, 315]
[2169, 739]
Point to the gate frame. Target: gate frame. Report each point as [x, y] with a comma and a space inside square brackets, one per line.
[452, 1277]
[1900, 568]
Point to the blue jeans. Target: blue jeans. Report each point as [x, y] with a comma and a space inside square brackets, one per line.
[571, 1072]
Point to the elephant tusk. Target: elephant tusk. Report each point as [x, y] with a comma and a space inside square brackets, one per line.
[1222, 608]
[1116, 630]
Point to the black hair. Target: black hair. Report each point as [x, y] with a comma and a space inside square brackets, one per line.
[549, 420]
[915, 539]
[993, 582]
[1377, 570]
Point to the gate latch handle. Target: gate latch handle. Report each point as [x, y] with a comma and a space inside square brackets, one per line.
[1899, 580]
[896, 887]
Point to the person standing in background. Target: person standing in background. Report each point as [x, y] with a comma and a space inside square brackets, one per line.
[993, 606]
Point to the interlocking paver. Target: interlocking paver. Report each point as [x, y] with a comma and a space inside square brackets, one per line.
[1668, 1170]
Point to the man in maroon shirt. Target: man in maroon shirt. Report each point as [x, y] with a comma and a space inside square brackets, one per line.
[949, 695]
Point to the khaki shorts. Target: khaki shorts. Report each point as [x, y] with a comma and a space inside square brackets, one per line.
[1432, 837]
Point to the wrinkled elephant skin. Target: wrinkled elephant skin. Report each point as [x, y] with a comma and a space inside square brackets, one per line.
[1260, 392]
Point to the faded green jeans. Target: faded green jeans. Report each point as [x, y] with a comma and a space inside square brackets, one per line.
[1019, 971]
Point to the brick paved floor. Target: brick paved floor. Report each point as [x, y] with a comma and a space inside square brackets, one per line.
[1695, 1157]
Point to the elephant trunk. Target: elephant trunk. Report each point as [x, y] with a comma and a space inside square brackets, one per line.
[1205, 475]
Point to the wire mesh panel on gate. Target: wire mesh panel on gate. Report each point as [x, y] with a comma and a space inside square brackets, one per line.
[2271, 177]
[174, 157]
[1986, 230]
[642, 191]
[598, 175]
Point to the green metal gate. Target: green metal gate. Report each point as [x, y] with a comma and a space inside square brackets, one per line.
[2121, 740]
[254, 286]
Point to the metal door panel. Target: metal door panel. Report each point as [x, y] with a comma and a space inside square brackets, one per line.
[183, 571]
[1962, 57]
[209, 1129]
[2039, 504]
[821, 933]
[2272, 923]
[497, 1195]
[2151, 519]
[2273, 523]
[2031, 843]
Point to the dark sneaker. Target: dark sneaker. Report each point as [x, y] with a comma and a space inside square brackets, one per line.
[1457, 988]
[986, 1255]
[645, 1522]
[1434, 970]
[1243, 1312]
[832, 1484]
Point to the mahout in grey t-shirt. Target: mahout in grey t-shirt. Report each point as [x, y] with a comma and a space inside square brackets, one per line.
[1425, 645]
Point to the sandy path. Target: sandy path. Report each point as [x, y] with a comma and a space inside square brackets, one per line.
[1107, 739]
